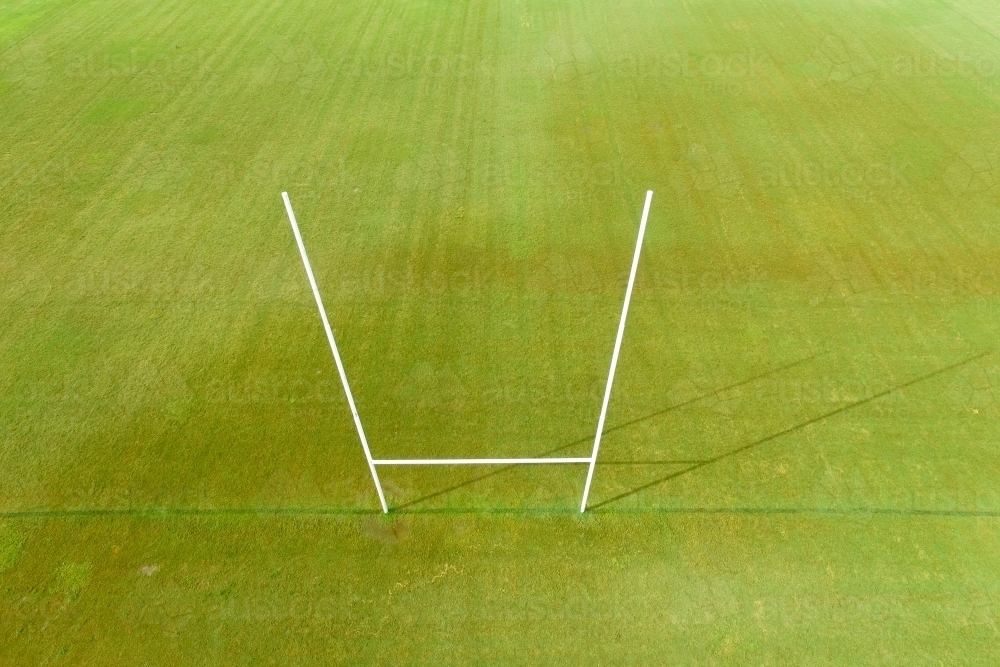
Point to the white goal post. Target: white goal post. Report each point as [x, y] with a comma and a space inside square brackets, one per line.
[373, 463]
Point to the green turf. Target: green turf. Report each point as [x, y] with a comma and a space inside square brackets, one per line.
[800, 466]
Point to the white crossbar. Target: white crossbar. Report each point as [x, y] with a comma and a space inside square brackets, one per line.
[474, 462]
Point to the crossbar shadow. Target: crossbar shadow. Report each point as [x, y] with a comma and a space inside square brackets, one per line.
[791, 429]
[618, 427]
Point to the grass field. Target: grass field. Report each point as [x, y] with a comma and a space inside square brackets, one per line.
[800, 466]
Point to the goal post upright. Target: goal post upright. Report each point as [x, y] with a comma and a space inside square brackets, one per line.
[614, 355]
[336, 353]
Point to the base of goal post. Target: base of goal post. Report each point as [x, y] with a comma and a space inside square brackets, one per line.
[373, 463]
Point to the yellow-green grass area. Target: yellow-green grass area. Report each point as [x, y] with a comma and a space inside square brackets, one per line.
[800, 464]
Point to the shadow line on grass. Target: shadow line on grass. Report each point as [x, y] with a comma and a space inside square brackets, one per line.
[181, 512]
[790, 429]
[617, 427]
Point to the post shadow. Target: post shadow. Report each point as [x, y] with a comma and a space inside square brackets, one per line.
[618, 427]
[791, 429]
